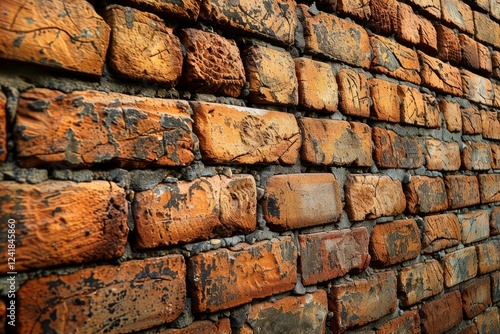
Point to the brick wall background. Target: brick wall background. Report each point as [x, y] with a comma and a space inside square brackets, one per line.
[251, 166]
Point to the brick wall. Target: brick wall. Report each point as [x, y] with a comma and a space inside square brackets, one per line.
[250, 166]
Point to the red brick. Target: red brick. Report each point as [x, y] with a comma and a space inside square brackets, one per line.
[3, 128]
[299, 200]
[430, 7]
[231, 134]
[448, 45]
[408, 323]
[354, 93]
[383, 16]
[182, 212]
[470, 329]
[419, 282]
[472, 121]
[476, 297]
[495, 221]
[187, 10]
[487, 30]
[394, 242]
[395, 151]
[385, 100]
[317, 85]
[221, 326]
[362, 301]
[337, 39]
[495, 62]
[440, 76]
[132, 296]
[476, 88]
[62, 222]
[372, 196]
[331, 142]
[394, 60]
[495, 156]
[490, 121]
[475, 55]
[440, 232]
[91, 127]
[275, 20]
[426, 194]
[489, 186]
[474, 225]
[460, 266]
[271, 74]
[440, 155]
[217, 69]
[81, 48]
[476, 155]
[495, 287]
[414, 29]
[259, 270]
[458, 15]
[327, 255]
[142, 47]
[452, 115]
[488, 322]
[449, 315]
[488, 255]
[462, 190]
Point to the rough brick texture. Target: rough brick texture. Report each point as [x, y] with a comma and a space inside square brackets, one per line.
[463, 190]
[476, 155]
[472, 121]
[440, 76]
[460, 266]
[487, 30]
[426, 194]
[476, 297]
[354, 93]
[441, 155]
[474, 226]
[488, 254]
[221, 326]
[187, 10]
[477, 88]
[495, 221]
[495, 287]
[420, 282]
[475, 55]
[408, 323]
[449, 315]
[489, 321]
[448, 45]
[457, 14]
[440, 232]
[385, 100]
[490, 124]
[489, 185]
[395, 151]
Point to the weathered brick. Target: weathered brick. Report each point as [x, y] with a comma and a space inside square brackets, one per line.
[458, 15]
[460, 266]
[495, 287]
[298, 200]
[217, 69]
[372, 196]
[440, 232]
[354, 93]
[187, 10]
[182, 212]
[81, 48]
[471, 121]
[487, 30]
[474, 226]
[327, 255]
[426, 194]
[475, 55]
[414, 29]
[468, 329]
[495, 221]
[395, 151]
[463, 190]
[495, 9]
[495, 62]
[231, 134]
[394, 60]
[337, 39]
[412, 105]
[452, 115]
[271, 74]
[448, 45]
[275, 20]
[394, 242]
[3, 315]
[359, 9]
[488, 322]
[332, 142]
[490, 121]
[476, 155]
[440, 155]
[449, 315]
[496, 94]
[383, 16]
[132, 296]
[476, 297]
[495, 156]
[385, 100]
[349, 310]
[221, 326]
[3, 128]
[407, 323]
[488, 255]
[90, 127]
[489, 187]
[52, 229]
[431, 112]
[477, 88]
[440, 76]
[419, 282]
[257, 271]
[430, 7]
[142, 47]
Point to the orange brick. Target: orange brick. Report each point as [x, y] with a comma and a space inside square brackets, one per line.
[495, 221]
[81, 48]
[460, 266]
[440, 76]
[448, 45]
[412, 105]
[430, 7]
[440, 155]
[495, 287]
[299, 200]
[414, 29]
[496, 94]
[3, 128]
[337, 39]
[470, 329]
[495, 62]
[472, 121]
[231, 134]
[488, 322]
[354, 93]
[385, 100]
[53, 229]
[217, 69]
[452, 115]
[458, 15]
[490, 121]
[488, 255]
[259, 270]
[362, 301]
[327, 255]
[476, 297]
[487, 30]
[202, 209]
[419, 282]
[426, 194]
[489, 187]
[317, 85]
[331, 142]
[359, 9]
[440, 232]
[91, 127]
[372, 196]
[394, 151]
[394, 60]
[275, 20]
[140, 294]
[431, 112]
[477, 88]
[408, 323]
[394, 242]
[221, 326]
[383, 16]
[449, 315]
[463, 190]
[475, 55]
[474, 225]
[476, 155]
[495, 156]
[271, 74]
[187, 10]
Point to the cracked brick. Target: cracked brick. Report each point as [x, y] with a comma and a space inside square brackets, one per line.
[440, 155]
[460, 266]
[221, 326]
[463, 190]
[452, 115]
[457, 14]
[448, 45]
[420, 281]
[395, 151]
[426, 194]
[474, 226]
[386, 100]
[440, 76]
[472, 121]
[354, 93]
[440, 232]
[449, 315]
[477, 88]
[488, 256]
[476, 155]
[408, 322]
[486, 29]
[490, 121]
[489, 187]
[476, 297]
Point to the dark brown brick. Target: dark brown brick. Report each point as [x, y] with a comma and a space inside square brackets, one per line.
[383, 16]
[63, 222]
[385, 100]
[477, 88]
[458, 15]
[460, 266]
[449, 315]
[187, 10]
[221, 326]
[129, 297]
[463, 190]
[488, 256]
[395, 151]
[440, 155]
[419, 282]
[490, 121]
[495, 221]
[257, 271]
[448, 45]
[354, 93]
[440, 76]
[327, 255]
[488, 322]
[299, 200]
[452, 115]
[440, 232]
[487, 30]
[476, 155]
[474, 225]
[426, 194]
[476, 297]
[489, 187]
[3, 128]
[471, 121]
